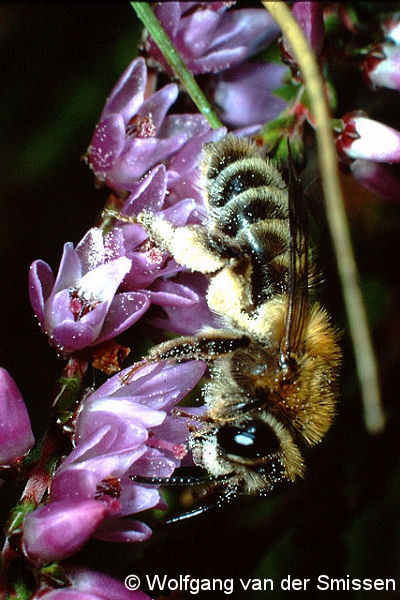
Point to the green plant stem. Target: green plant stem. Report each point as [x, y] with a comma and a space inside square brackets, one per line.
[363, 350]
[172, 56]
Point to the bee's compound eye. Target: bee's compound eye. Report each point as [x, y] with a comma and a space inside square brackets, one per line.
[252, 439]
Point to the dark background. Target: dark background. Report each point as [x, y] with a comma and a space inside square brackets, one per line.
[61, 62]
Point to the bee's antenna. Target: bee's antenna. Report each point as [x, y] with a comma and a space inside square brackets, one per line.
[180, 480]
[219, 501]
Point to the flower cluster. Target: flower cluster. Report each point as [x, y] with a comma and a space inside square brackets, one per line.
[122, 429]
[219, 43]
[209, 38]
[150, 159]
[368, 146]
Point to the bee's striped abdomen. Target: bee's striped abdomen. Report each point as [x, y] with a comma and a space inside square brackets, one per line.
[248, 202]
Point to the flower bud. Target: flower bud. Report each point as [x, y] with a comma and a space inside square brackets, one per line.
[382, 66]
[361, 137]
[91, 585]
[16, 437]
[310, 18]
[391, 28]
[59, 529]
[378, 178]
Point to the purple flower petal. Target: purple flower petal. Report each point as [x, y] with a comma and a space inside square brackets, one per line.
[114, 529]
[127, 95]
[154, 464]
[378, 178]
[90, 250]
[136, 498]
[251, 27]
[310, 18]
[177, 299]
[126, 414]
[218, 60]
[101, 585]
[179, 213]
[186, 125]
[156, 385]
[146, 267]
[172, 294]
[83, 307]
[69, 270]
[189, 156]
[66, 594]
[108, 445]
[210, 39]
[126, 308]
[149, 193]
[133, 235]
[75, 335]
[60, 529]
[41, 281]
[81, 478]
[159, 103]
[114, 246]
[73, 484]
[107, 144]
[16, 437]
[102, 282]
[196, 33]
[169, 14]
[138, 156]
[245, 96]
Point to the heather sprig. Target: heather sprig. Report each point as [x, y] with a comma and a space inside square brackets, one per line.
[116, 434]
[146, 149]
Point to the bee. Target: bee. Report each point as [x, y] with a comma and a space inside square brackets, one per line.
[274, 358]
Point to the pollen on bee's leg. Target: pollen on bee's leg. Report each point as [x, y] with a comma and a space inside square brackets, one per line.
[116, 214]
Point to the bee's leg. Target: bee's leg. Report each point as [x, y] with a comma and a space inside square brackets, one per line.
[192, 246]
[112, 213]
[209, 346]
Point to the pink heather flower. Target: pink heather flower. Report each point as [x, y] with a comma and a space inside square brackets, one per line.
[148, 262]
[90, 585]
[382, 66]
[165, 192]
[244, 94]
[16, 437]
[121, 429]
[208, 38]
[184, 304]
[184, 173]
[134, 134]
[361, 137]
[80, 307]
[377, 177]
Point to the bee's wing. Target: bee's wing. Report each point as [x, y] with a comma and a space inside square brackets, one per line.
[298, 278]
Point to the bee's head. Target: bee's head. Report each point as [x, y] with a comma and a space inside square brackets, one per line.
[260, 451]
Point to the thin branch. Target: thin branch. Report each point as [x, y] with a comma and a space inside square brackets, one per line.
[358, 324]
